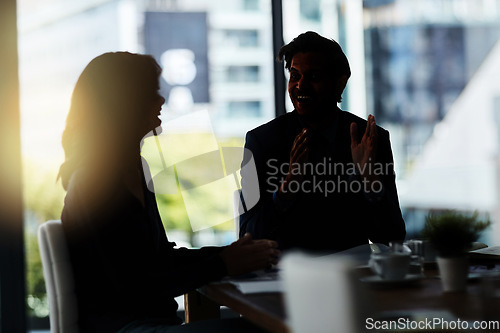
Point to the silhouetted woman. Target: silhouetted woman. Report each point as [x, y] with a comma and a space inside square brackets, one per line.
[127, 272]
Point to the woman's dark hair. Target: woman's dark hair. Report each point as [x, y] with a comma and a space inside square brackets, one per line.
[312, 42]
[107, 100]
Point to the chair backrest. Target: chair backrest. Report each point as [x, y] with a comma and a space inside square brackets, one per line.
[322, 295]
[59, 278]
[237, 211]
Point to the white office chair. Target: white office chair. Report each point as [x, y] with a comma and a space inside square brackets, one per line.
[59, 279]
[237, 211]
[322, 295]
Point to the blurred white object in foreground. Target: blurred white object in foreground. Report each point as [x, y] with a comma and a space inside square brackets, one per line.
[322, 294]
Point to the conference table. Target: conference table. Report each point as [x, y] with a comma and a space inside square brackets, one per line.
[423, 298]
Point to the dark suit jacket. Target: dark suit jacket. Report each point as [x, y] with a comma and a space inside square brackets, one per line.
[332, 213]
[125, 267]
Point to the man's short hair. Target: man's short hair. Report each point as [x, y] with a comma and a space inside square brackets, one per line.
[312, 42]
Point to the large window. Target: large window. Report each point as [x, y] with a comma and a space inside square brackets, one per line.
[426, 71]
[430, 71]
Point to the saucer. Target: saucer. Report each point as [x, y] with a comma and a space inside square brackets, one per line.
[471, 277]
[377, 281]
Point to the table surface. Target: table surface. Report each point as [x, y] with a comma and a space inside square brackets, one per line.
[268, 311]
[264, 309]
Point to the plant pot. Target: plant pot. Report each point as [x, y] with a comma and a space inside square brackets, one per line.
[453, 272]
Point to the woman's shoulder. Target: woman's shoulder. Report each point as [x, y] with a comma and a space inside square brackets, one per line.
[92, 188]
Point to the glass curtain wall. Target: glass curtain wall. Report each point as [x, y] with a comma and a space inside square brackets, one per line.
[430, 79]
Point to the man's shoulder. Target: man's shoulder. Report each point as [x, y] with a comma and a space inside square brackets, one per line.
[349, 118]
[277, 125]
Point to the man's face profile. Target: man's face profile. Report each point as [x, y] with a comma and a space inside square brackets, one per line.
[311, 87]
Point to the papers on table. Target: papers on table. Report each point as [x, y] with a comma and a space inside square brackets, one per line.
[491, 252]
[265, 281]
[269, 281]
[360, 254]
[249, 287]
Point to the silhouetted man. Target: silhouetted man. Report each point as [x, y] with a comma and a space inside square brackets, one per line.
[325, 176]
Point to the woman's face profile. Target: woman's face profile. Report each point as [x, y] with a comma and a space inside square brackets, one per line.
[152, 109]
[125, 93]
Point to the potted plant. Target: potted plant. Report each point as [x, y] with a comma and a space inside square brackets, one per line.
[452, 235]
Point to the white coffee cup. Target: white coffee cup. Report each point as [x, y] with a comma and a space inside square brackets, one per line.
[389, 265]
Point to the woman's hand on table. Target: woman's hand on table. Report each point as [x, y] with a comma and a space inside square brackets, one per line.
[246, 255]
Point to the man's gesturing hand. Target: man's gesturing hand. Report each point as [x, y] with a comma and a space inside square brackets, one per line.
[364, 151]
